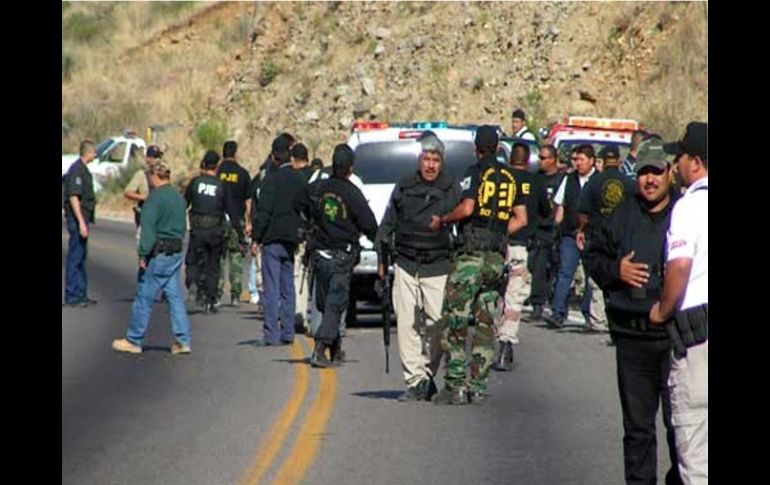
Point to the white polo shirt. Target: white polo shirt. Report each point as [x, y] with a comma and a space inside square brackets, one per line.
[688, 237]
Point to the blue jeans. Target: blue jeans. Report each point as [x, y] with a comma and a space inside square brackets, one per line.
[253, 277]
[76, 286]
[278, 278]
[569, 258]
[163, 273]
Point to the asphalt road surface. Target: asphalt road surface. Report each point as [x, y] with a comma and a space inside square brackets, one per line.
[231, 412]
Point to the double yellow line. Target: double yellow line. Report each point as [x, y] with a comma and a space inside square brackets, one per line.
[307, 444]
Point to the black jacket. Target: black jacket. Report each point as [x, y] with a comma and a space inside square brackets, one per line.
[631, 227]
[275, 219]
[339, 212]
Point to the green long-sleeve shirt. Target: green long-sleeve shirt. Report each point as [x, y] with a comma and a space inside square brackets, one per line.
[164, 215]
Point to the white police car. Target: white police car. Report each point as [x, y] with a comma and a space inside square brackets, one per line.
[384, 154]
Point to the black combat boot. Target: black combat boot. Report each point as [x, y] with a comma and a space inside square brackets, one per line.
[457, 396]
[504, 361]
[337, 354]
[537, 313]
[319, 359]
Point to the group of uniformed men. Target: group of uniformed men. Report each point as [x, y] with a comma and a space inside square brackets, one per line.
[462, 253]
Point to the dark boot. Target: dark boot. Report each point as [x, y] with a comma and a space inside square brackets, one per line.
[319, 359]
[337, 354]
[417, 392]
[537, 313]
[457, 396]
[504, 362]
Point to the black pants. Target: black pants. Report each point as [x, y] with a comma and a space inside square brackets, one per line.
[543, 267]
[203, 255]
[643, 368]
[332, 290]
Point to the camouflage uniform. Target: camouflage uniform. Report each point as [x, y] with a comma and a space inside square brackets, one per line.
[472, 291]
[474, 283]
[233, 253]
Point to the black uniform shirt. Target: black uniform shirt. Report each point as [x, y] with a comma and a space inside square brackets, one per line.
[80, 182]
[339, 211]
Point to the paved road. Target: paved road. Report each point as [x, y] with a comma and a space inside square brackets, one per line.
[234, 413]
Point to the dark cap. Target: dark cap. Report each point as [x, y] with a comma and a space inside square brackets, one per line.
[281, 144]
[487, 137]
[342, 159]
[299, 151]
[154, 151]
[519, 113]
[651, 154]
[694, 142]
[210, 160]
[609, 151]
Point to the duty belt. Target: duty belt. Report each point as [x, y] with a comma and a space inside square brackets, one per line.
[167, 246]
[204, 221]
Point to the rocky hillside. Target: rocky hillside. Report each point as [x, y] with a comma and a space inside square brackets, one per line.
[202, 71]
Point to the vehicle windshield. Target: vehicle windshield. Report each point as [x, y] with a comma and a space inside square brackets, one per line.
[389, 161]
[102, 147]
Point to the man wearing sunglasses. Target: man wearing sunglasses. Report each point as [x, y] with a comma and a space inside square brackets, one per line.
[544, 258]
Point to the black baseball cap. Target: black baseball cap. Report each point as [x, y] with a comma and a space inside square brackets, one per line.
[210, 160]
[694, 142]
[281, 144]
[609, 151]
[342, 159]
[487, 137]
[154, 151]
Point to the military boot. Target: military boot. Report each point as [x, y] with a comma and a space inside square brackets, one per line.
[319, 359]
[451, 395]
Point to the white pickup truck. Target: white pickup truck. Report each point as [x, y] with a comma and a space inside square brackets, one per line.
[113, 156]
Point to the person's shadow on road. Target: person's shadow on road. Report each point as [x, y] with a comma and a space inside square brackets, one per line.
[390, 395]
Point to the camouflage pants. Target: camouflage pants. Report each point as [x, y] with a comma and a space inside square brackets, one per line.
[471, 292]
[233, 256]
[516, 291]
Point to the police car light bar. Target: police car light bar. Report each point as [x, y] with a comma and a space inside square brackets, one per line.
[602, 123]
[427, 125]
[403, 135]
[369, 125]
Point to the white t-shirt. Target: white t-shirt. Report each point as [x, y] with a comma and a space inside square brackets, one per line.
[559, 197]
[688, 237]
[525, 134]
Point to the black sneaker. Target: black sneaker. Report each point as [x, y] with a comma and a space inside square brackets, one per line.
[457, 396]
[556, 321]
[213, 308]
[537, 313]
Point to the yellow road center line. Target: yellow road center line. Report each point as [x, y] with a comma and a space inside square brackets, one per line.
[296, 465]
[276, 436]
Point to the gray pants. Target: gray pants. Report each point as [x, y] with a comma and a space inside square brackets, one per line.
[688, 384]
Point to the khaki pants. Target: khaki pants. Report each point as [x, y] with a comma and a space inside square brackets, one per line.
[688, 384]
[597, 317]
[516, 291]
[300, 284]
[408, 292]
